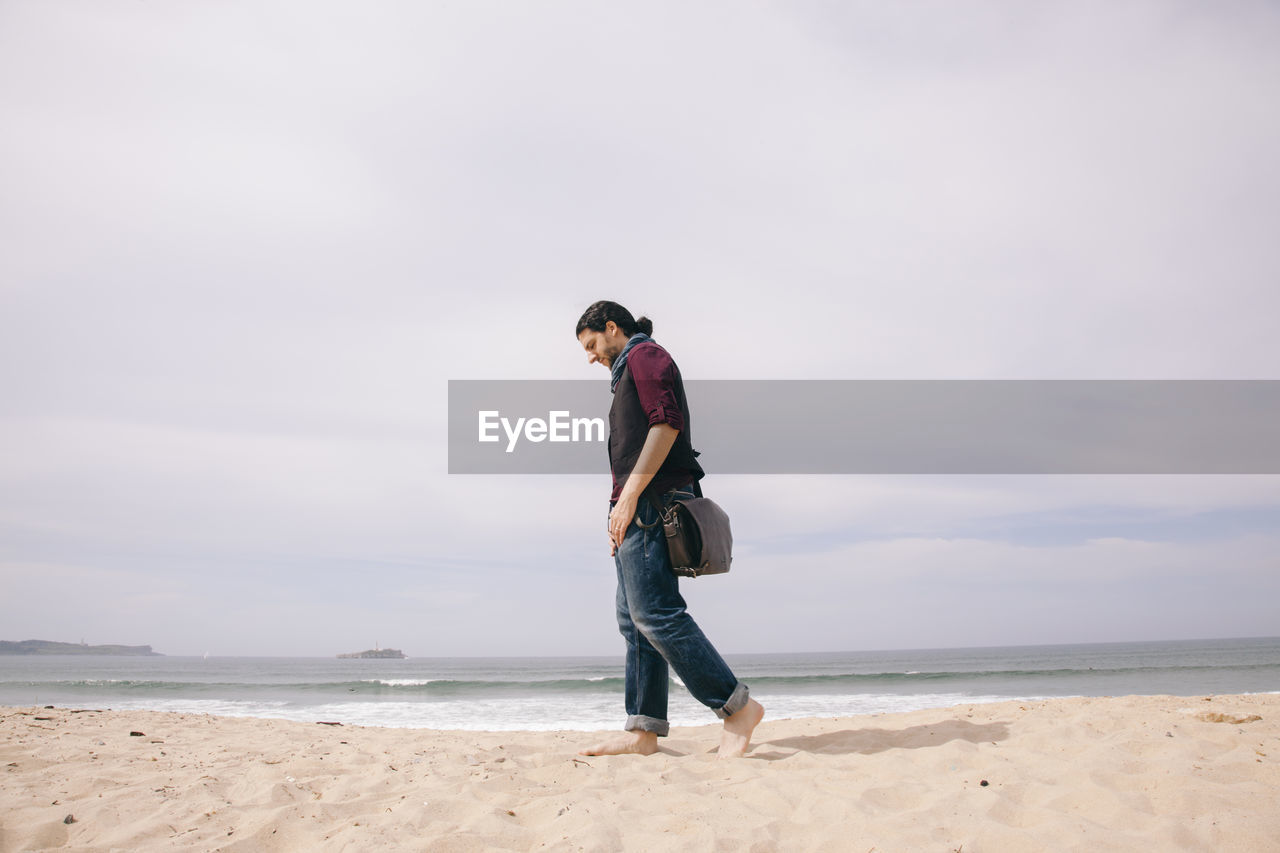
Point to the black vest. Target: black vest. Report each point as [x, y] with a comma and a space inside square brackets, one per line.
[629, 427]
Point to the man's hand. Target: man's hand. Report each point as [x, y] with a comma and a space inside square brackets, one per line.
[619, 520]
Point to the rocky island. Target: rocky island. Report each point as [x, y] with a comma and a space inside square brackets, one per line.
[379, 654]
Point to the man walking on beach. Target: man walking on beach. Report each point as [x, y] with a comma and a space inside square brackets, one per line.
[649, 448]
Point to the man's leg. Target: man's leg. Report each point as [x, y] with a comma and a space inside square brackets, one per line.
[646, 675]
[660, 614]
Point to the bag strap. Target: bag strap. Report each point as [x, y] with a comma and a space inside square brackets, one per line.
[653, 499]
[662, 513]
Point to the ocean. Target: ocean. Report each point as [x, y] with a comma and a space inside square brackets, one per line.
[586, 693]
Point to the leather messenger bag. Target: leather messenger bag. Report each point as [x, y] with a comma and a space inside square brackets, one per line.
[698, 536]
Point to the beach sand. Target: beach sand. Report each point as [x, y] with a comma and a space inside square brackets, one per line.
[1132, 773]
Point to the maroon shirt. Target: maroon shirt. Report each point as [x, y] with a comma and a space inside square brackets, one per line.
[654, 373]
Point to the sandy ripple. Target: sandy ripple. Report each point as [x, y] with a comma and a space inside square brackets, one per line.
[1130, 773]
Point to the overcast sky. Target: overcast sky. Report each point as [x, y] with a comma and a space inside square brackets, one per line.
[244, 246]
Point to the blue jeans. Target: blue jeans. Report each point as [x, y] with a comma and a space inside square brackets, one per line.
[658, 630]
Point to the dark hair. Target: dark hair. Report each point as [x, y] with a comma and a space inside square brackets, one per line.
[603, 311]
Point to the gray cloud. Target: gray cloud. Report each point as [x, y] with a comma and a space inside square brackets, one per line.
[242, 250]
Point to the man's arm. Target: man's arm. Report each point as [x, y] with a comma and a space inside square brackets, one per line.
[657, 444]
[654, 374]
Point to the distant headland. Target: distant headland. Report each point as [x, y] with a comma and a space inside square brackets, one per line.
[46, 647]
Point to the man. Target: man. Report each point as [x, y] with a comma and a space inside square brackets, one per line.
[649, 449]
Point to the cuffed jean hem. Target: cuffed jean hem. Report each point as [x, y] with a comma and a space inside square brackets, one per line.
[641, 723]
[737, 701]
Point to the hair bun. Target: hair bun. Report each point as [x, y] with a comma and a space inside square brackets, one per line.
[645, 325]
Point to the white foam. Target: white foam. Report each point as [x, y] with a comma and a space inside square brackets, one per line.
[544, 713]
[400, 682]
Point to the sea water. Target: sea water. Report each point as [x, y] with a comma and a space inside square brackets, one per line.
[586, 693]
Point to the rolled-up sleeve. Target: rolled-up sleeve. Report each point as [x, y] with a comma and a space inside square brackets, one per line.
[654, 373]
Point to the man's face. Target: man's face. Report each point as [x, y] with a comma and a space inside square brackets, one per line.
[603, 347]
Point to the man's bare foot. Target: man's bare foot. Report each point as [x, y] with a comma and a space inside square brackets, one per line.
[631, 743]
[736, 738]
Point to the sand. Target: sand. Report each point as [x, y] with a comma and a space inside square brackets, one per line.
[1132, 773]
